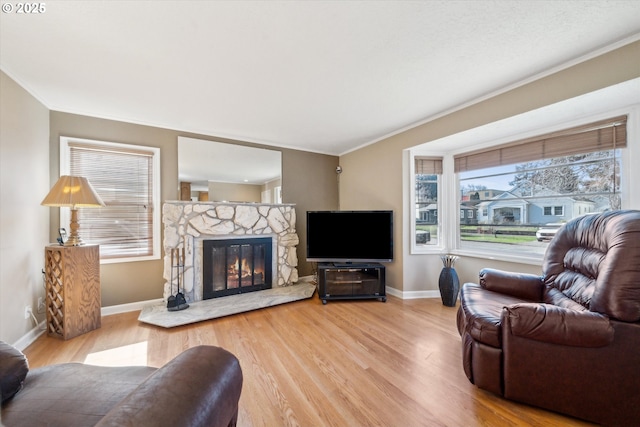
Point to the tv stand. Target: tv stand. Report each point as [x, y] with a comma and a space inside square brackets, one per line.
[345, 281]
[350, 265]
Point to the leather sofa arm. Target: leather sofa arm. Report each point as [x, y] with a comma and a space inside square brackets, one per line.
[520, 285]
[557, 325]
[200, 387]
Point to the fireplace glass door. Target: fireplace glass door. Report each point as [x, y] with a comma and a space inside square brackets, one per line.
[234, 266]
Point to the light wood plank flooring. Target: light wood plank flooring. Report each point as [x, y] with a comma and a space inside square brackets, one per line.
[360, 363]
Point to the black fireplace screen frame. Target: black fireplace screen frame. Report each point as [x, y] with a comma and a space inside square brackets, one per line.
[224, 248]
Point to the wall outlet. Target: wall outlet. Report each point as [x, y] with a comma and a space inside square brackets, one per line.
[27, 312]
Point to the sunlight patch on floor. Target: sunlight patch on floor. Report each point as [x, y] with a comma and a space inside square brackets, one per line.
[128, 355]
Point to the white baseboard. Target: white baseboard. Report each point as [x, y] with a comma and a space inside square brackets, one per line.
[27, 339]
[412, 294]
[125, 308]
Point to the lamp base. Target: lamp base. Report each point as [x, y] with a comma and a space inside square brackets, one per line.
[74, 237]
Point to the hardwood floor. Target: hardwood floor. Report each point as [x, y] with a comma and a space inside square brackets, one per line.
[361, 363]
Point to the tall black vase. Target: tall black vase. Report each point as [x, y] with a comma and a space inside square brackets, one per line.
[449, 285]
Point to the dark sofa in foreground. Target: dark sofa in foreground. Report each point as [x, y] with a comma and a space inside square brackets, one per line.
[568, 340]
[200, 387]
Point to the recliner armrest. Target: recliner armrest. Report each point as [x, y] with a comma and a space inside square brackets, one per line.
[557, 325]
[200, 387]
[520, 285]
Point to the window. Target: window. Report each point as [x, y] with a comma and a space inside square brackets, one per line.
[557, 210]
[127, 179]
[546, 180]
[427, 186]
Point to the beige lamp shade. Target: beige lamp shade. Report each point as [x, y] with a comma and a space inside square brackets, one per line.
[73, 192]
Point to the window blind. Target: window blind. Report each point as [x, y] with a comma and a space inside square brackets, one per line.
[124, 180]
[602, 135]
[428, 166]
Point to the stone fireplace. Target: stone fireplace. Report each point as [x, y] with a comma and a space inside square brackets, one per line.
[198, 226]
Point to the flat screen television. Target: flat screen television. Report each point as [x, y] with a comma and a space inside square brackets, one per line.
[349, 236]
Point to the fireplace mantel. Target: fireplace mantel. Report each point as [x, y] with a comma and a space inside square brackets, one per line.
[188, 224]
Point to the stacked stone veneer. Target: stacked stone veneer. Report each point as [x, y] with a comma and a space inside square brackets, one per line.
[189, 224]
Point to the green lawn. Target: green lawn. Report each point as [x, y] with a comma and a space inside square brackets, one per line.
[470, 233]
[500, 238]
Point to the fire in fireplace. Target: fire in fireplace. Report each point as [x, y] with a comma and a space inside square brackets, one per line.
[234, 266]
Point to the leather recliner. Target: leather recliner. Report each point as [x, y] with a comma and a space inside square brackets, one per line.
[568, 340]
[199, 387]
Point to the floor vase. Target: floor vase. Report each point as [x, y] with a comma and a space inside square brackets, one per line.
[449, 285]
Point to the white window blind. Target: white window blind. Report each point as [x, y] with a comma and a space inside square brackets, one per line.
[123, 178]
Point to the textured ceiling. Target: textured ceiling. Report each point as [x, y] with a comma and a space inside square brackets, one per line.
[323, 76]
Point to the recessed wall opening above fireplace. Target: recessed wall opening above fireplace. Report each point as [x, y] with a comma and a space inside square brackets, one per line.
[234, 266]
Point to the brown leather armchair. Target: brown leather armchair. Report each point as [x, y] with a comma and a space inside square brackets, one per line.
[199, 387]
[569, 340]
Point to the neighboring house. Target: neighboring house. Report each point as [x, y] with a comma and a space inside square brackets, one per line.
[481, 194]
[468, 215]
[427, 214]
[509, 207]
[503, 208]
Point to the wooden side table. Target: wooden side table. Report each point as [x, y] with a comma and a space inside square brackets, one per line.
[72, 280]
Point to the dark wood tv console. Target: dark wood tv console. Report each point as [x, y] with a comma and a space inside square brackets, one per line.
[351, 281]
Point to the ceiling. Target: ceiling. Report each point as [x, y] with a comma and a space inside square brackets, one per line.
[322, 76]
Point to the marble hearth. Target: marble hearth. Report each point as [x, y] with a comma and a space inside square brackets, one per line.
[158, 315]
[189, 224]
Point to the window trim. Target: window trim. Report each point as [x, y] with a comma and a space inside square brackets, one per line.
[65, 213]
[522, 257]
[428, 249]
[517, 256]
[494, 136]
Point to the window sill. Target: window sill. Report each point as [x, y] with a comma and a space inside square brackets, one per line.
[500, 256]
[129, 259]
[427, 250]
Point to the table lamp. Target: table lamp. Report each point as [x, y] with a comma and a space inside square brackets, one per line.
[73, 192]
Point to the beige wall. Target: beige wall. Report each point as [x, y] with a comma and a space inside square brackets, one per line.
[24, 224]
[309, 180]
[305, 183]
[223, 191]
[373, 176]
